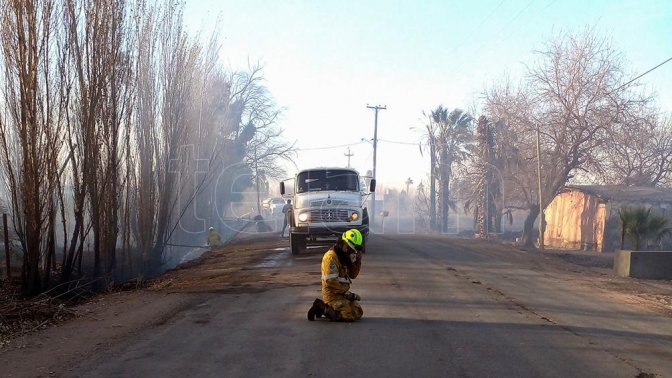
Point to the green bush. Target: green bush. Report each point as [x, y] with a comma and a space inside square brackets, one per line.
[640, 226]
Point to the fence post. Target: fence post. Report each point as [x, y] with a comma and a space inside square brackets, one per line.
[4, 226]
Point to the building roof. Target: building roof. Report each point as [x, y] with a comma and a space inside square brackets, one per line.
[625, 193]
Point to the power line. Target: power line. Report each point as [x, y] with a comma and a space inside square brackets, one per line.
[354, 144]
[368, 158]
[477, 27]
[397, 142]
[640, 76]
[328, 147]
[507, 37]
[498, 33]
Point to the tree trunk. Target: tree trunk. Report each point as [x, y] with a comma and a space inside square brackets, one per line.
[432, 187]
[497, 220]
[481, 190]
[51, 248]
[527, 239]
[445, 191]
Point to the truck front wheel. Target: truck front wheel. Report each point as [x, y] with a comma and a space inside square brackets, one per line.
[296, 243]
[365, 237]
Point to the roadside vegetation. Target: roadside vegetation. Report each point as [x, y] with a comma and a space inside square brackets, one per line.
[117, 127]
[594, 124]
[641, 227]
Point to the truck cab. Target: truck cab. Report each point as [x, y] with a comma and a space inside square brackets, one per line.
[326, 202]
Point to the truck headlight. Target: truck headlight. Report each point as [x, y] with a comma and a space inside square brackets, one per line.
[303, 217]
[354, 216]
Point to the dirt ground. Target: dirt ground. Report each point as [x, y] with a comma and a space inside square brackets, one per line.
[597, 270]
[73, 333]
[109, 318]
[229, 268]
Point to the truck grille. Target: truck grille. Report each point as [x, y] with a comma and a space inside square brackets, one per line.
[328, 202]
[328, 215]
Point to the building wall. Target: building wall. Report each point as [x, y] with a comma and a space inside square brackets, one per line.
[600, 226]
[575, 220]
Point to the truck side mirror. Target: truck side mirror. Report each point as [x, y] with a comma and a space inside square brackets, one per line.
[282, 188]
[372, 186]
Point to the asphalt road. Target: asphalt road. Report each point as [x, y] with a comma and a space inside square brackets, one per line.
[431, 309]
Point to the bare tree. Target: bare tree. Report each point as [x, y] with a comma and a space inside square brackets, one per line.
[101, 77]
[143, 162]
[177, 57]
[421, 206]
[237, 129]
[574, 96]
[251, 139]
[254, 119]
[98, 123]
[639, 152]
[29, 129]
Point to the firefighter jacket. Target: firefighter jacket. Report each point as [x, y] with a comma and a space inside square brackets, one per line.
[214, 239]
[336, 278]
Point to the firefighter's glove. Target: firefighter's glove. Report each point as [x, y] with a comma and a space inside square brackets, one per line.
[352, 296]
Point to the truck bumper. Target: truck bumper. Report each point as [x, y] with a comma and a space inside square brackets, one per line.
[327, 230]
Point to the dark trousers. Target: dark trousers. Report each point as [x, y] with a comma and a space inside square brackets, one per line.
[284, 226]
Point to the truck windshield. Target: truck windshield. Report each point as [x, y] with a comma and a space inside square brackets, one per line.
[333, 179]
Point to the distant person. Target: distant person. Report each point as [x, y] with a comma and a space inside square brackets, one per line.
[285, 210]
[214, 239]
[340, 264]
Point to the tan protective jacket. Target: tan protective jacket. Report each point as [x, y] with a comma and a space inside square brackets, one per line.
[336, 278]
[214, 239]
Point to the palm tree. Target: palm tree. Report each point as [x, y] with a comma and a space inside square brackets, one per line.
[480, 200]
[453, 136]
[430, 143]
[640, 226]
[486, 201]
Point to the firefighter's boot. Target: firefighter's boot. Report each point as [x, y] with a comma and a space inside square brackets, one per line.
[332, 314]
[317, 310]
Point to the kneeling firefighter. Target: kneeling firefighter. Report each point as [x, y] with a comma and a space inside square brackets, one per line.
[340, 265]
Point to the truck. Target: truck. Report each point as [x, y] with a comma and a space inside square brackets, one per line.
[272, 207]
[327, 201]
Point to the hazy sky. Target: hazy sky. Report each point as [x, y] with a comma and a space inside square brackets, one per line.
[326, 60]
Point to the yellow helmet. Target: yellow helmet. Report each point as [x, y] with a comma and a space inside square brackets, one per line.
[354, 239]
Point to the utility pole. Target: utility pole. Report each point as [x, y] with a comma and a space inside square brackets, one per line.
[541, 209]
[407, 200]
[409, 182]
[375, 145]
[348, 155]
[256, 176]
